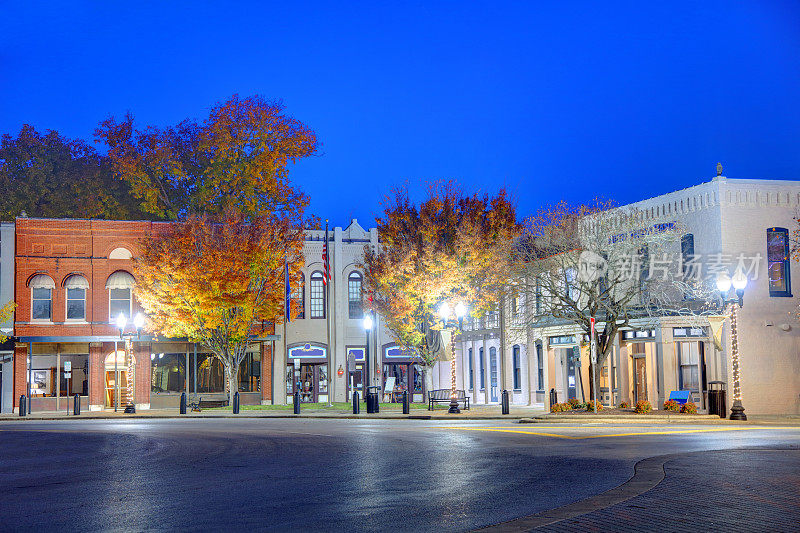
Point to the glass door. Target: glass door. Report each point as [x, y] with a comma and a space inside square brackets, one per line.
[116, 386]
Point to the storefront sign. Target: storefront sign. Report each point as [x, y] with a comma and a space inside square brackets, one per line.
[397, 352]
[307, 351]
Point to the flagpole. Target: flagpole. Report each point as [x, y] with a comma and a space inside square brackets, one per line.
[287, 316]
[327, 277]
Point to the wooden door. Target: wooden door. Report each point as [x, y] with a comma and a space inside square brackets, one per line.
[641, 379]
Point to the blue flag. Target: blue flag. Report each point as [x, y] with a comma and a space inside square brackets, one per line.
[288, 292]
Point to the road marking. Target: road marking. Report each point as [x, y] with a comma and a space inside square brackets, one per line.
[629, 434]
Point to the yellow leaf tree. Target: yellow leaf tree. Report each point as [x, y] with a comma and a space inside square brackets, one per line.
[453, 246]
[217, 281]
[238, 157]
[6, 314]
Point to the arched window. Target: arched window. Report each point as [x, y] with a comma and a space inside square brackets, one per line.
[76, 287]
[317, 295]
[120, 285]
[355, 306]
[120, 253]
[42, 287]
[299, 296]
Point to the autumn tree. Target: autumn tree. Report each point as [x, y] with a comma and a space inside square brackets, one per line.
[49, 175]
[6, 315]
[576, 264]
[214, 281]
[453, 246]
[238, 157]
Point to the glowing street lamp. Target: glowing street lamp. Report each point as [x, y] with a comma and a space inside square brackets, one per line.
[367, 323]
[724, 283]
[460, 310]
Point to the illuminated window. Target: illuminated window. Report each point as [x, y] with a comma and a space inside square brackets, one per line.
[778, 262]
[355, 307]
[76, 286]
[317, 296]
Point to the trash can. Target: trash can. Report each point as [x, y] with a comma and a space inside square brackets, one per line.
[716, 399]
[372, 399]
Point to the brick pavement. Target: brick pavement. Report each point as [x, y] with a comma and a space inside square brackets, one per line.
[733, 490]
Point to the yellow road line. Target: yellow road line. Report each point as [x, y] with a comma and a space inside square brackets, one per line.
[630, 434]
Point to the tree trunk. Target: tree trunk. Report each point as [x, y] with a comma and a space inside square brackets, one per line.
[427, 372]
[233, 385]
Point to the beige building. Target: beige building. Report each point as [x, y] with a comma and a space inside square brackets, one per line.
[724, 222]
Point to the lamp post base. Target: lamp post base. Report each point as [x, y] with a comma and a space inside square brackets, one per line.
[454, 407]
[737, 411]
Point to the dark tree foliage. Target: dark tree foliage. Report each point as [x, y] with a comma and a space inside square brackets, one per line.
[49, 175]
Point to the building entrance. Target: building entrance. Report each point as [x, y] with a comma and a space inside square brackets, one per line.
[118, 380]
[640, 380]
[310, 380]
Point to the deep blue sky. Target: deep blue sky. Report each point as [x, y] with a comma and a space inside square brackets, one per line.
[555, 100]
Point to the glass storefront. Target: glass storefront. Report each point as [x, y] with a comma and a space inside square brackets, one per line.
[407, 377]
[310, 380]
[49, 377]
[169, 371]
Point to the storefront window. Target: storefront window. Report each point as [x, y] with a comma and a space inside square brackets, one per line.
[323, 379]
[210, 373]
[417, 378]
[250, 373]
[689, 360]
[46, 374]
[168, 372]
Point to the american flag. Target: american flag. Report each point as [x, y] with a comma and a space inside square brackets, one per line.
[326, 266]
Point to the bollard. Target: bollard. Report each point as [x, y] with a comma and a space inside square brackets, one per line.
[236, 403]
[183, 403]
[504, 401]
[76, 405]
[296, 401]
[406, 407]
[356, 403]
[553, 397]
[23, 411]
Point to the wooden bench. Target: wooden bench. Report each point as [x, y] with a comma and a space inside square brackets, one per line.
[207, 404]
[443, 396]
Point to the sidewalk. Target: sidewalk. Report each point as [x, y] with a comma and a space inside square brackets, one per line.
[474, 413]
[658, 417]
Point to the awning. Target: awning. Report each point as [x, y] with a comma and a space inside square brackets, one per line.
[120, 280]
[76, 281]
[42, 281]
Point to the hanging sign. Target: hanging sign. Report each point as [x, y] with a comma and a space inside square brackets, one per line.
[67, 366]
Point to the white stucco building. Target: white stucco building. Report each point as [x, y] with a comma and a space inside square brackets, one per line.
[721, 220]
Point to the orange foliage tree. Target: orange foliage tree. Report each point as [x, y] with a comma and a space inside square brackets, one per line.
[453, 247]
[6, 314]
[238, 158]
[217, 281]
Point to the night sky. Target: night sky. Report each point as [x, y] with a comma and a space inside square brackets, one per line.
[555, 100]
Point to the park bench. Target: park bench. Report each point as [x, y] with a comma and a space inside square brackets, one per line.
[680, 396]
[443, 396]
[201, 404]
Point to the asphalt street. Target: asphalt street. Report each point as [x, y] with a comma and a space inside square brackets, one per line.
[331, 475]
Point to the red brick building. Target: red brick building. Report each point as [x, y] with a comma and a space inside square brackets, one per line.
[73, 279]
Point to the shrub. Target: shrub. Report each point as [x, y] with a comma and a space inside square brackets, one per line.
[560, 407]
[643, 407]
[590, 406]
[689, 408]
[623, 405]
[573, 403]
[672, 405]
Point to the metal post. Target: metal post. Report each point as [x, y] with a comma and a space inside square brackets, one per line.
[30, 376]
[593, 366]
[356, 403]
[116, 378]
[504, 402]
[236, 402]
[296, 400]
[23, 410]
[366, 363]
[183, 403]
[195, 369]
[76, 407]
[405, 403]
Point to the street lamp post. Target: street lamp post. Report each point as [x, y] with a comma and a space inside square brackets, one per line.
[739, 283]
[366, 381]
[445, 313]
[121, 322]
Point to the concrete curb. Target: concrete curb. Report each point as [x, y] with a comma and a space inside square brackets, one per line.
[549, 419]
